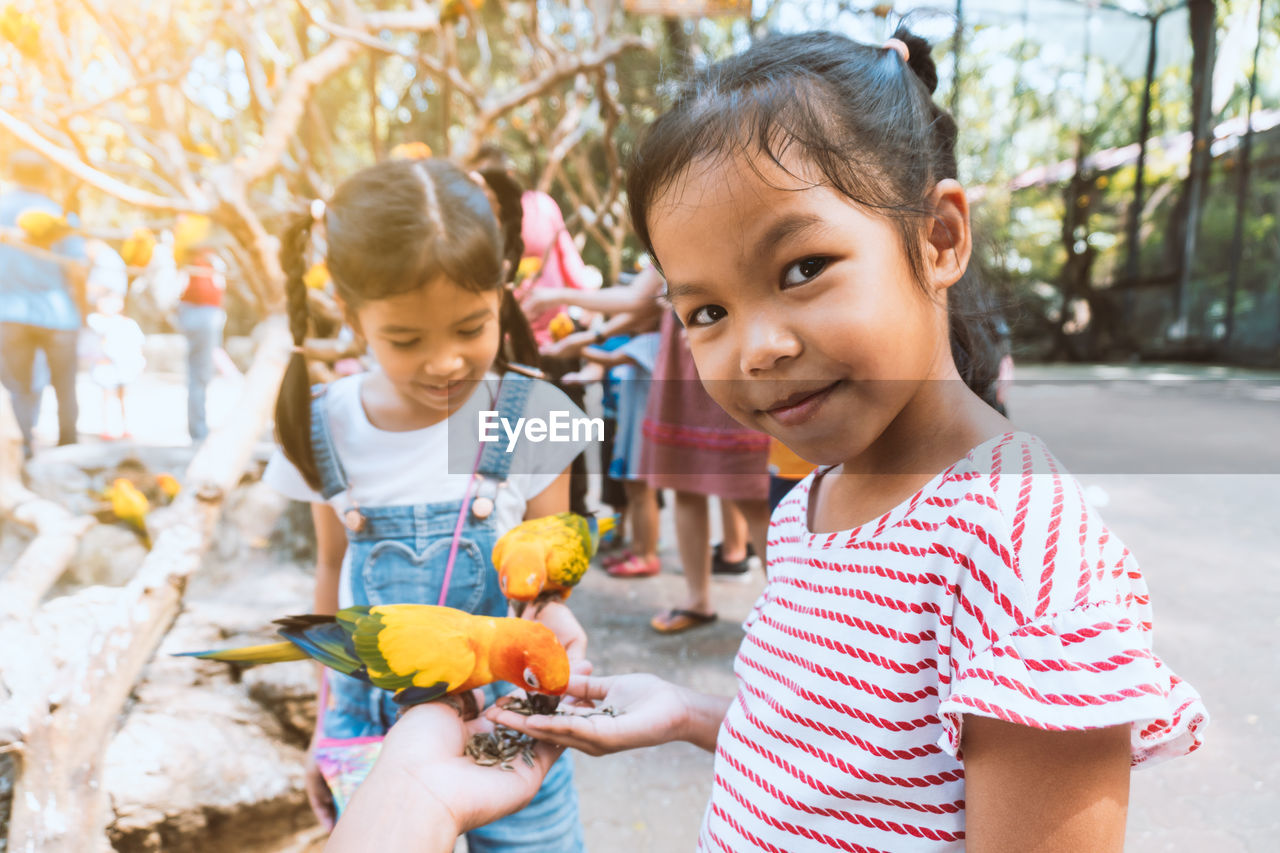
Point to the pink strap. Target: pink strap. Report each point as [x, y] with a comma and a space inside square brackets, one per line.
[462, 515]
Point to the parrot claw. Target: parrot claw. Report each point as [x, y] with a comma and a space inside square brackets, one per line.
[465, 704]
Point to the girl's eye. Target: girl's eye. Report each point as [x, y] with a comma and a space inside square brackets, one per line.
[470, 333]
[706, 315]
[802, 271]
[405, 344]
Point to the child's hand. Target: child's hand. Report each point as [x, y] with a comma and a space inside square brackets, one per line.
[423, 785]
[560, 619]
[646, 711]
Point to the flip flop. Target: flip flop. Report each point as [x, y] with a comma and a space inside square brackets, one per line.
[676, 620]
[608, 561]
[636, 567]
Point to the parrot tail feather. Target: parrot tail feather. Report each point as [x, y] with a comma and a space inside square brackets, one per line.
[269, 653]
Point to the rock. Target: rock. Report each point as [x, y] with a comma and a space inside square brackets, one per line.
[63, 482]
[249, 519]
[107, 554]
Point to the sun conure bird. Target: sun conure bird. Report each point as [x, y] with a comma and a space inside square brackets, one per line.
[420, 651]
[543, 559]
[130, 505]
[42, 228]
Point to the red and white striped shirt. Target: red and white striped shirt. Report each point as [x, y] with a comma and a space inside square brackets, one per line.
[995, 590]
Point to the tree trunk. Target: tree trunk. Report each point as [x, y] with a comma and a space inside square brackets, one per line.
[1133, 246]
[1243, 163]
[1203, 18]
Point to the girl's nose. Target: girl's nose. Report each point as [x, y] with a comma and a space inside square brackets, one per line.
[766, 342]
[444, 364]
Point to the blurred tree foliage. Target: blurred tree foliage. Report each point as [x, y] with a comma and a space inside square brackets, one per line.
[242, 109]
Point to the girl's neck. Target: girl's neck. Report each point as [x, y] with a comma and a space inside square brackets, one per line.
[940, 425]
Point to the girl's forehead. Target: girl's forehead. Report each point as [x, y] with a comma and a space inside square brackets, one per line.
[441, 301]
[725, 184]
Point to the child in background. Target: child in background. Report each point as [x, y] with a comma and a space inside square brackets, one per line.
[116, 359]
[952, 651]
[406, 501]
[632, 366]
[786, 469]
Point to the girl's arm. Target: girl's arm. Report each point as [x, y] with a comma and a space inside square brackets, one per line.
[331, 547]
[551, 500]
[1055, 792]
[607, 358]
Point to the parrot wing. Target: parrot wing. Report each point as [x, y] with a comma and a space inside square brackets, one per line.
[326, 640]
[419, 651]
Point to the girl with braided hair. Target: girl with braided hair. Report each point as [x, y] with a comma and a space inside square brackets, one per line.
[406, 500]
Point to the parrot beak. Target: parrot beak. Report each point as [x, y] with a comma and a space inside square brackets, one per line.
[517, 607]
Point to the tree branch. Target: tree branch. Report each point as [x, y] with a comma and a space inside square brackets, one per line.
[107, 184]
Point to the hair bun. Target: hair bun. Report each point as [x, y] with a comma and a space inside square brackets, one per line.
[920, 58]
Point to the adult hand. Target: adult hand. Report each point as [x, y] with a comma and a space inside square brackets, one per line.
[569, 346]
[423, 791]
[647, 711]
[540, 300]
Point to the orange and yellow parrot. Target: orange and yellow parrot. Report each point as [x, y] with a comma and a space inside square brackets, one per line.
[420, 651]
[42, 228]
[130, 505]
[543, 559]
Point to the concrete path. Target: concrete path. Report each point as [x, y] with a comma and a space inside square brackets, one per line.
[1183, 462]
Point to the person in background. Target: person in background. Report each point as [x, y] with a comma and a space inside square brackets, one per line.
[201, 319]
[41, 301]
[117, 360]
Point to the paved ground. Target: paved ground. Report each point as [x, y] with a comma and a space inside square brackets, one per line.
[1188, 467]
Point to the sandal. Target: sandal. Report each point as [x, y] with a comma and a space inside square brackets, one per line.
[620, 556]
[636, 567]
[675, 620]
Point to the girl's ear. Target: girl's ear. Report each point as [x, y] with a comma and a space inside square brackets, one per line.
[950, 240]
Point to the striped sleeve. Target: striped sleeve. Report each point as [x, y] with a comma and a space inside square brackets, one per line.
[1060, 631]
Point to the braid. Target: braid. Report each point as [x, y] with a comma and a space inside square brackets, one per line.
[293, 405]
[519, 344]
[510, 217]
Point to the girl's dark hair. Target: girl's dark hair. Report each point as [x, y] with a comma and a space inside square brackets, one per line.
[864, 119]
[389, 229]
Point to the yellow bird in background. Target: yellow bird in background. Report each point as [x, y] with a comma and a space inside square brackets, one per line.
[129, 505]
[137, 249]
[544, 558]
[168, 485]
[42, 228]
[189, 231]
[411, 151]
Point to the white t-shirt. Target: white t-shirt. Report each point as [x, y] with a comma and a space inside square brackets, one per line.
[430, 465]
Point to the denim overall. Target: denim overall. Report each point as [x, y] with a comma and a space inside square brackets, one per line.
[398, 556]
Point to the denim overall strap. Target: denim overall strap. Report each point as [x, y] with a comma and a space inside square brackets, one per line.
[495, 461]
[332, 478]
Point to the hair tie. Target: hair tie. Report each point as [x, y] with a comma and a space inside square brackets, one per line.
[317, 209]
[899, 46]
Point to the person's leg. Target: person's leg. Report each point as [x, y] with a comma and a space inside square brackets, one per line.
[198, 326]
[642, 503]
[60, 352]
[756, 513]
[733, 545]
[19, 354]
[124, 420]
[693, 540]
